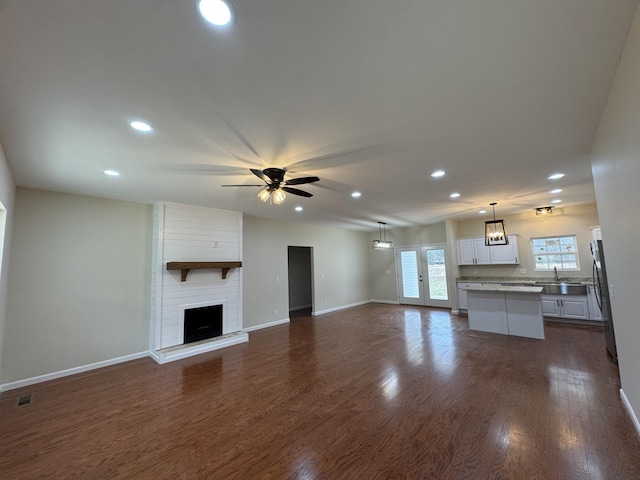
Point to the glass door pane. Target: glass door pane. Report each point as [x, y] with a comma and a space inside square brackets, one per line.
[437, 274]
[410, 279]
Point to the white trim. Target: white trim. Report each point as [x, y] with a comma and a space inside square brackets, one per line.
[632, 414]
[455, 312]
[390, 302]
[266, 325]
[335, 309]
[71, 371]
[187, 351]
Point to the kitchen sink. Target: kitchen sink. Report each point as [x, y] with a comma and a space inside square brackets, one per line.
[562, 288]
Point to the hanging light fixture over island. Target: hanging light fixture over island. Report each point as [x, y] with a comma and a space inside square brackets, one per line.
[494, 231]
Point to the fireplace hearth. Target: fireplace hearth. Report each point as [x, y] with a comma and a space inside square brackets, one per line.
[202, 323]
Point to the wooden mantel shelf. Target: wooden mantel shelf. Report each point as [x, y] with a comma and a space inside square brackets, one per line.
[184, 267]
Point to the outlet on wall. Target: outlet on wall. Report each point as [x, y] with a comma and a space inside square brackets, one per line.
[275, 312]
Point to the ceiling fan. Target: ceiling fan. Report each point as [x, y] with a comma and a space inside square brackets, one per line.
[275, 185]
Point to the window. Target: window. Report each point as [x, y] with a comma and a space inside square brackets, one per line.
[558, 252]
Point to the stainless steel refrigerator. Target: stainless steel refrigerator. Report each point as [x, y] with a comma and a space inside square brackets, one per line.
[601, 288]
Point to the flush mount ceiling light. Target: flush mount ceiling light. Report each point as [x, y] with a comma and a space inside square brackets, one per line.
[454, 195]
[555, 176]
[141, 126]
[557, 200]
[556, 190]
[216, 12]
[356, 194]
[111, 173]
[494, 231]
[544, 211]
[382, 243]
[482, 211]
[438, 174]
[298, 208]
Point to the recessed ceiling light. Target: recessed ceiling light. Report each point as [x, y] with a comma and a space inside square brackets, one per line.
[298, 208]
[356, 194]
[557, 200]
[556, 190]
[216, 12]
[141, 126]
[482, 211]
[112, 173]
[438, 174]
[454, 195]
[556, 176]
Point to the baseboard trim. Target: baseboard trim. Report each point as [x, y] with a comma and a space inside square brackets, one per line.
[342, 307]
[629, 408]
[389, 302]
[266, 325]
[70, 371]
[173, 355]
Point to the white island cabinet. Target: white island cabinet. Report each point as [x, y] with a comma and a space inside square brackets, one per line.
[508, 310]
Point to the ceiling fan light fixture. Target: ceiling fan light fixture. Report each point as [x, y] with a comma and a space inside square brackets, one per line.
[264, 195]
[279, 196]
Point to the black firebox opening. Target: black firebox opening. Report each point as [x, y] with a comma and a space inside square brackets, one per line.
[202, 323]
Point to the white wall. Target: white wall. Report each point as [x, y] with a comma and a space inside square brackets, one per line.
[79, 285]
[7, 194]
[340, 267]
[616, 175]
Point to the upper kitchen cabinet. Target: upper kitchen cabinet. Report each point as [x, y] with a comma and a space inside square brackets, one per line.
[473, 251]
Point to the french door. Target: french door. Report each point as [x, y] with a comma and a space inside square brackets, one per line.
[422, 275]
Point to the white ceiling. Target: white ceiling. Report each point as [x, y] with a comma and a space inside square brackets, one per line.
[369, 95]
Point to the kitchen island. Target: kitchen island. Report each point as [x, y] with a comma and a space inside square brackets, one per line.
[505, 309]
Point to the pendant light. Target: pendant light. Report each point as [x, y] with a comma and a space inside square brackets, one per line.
[382, 243]
[494, 231]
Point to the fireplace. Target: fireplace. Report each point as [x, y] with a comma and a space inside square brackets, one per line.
[202, 323]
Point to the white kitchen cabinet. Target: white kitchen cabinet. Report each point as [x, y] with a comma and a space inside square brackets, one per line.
[505, 254]
[594, 308]
[473, 251]
[565, 306]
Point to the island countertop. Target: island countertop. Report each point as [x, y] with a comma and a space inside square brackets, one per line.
[505, 288]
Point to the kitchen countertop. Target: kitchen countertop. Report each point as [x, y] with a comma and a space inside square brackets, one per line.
[522, 280]
[505, 288]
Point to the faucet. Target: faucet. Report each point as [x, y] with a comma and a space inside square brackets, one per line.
[555, 274]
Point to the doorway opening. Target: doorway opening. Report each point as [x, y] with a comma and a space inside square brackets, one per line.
[300, 261]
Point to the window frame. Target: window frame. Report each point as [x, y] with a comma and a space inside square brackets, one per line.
[559, 266]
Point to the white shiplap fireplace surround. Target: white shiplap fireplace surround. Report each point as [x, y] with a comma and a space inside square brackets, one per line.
[185, 233]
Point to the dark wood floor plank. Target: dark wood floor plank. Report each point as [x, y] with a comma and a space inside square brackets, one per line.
[373, 392]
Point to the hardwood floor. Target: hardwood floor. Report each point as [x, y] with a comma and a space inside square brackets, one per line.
[373, 392]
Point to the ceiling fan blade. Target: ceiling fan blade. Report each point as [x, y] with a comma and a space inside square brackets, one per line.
[302, 180]
[242, 185]
[259, 174]
[296, 191]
